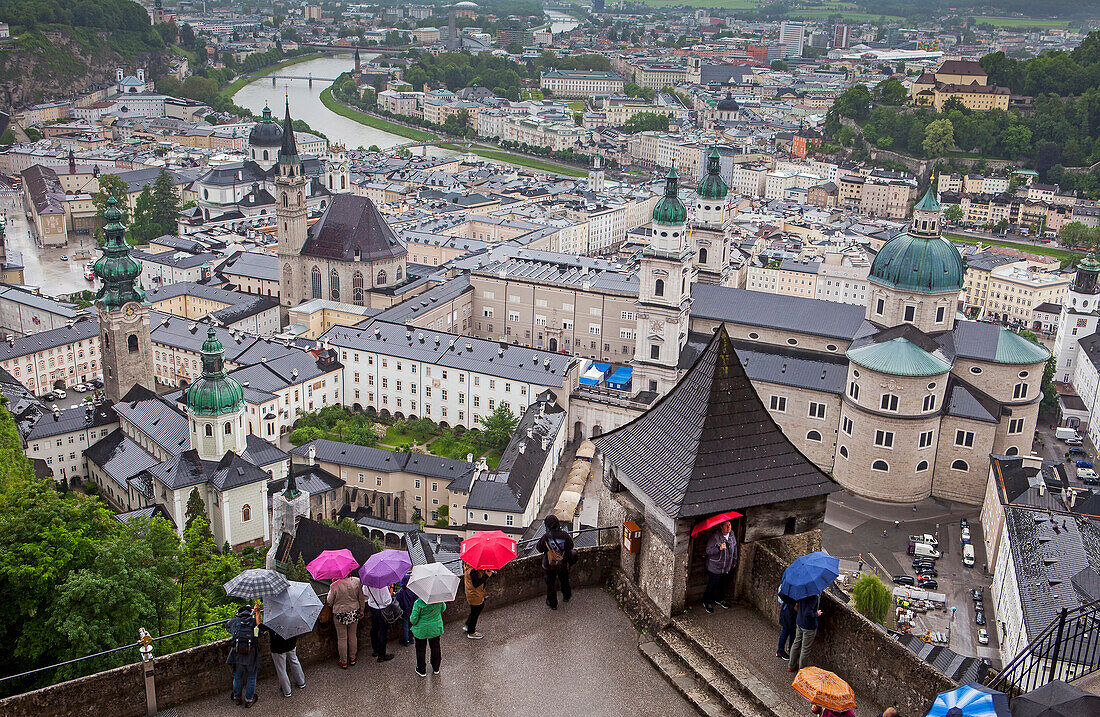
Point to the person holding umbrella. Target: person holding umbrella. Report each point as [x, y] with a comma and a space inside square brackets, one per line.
[434, 585]
[345, 596]
[286, 616]
[721, 560]
[244, 652]
[804, 581]
[378, 573]
[474, 586]
[482, 554]
[284, 655]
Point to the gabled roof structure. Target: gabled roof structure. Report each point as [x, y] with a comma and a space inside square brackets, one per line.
[711, 445]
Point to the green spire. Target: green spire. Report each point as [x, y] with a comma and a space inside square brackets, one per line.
[670, 210]
[116, 268]
[1089, 263]
[929, 202]
[712, 186]
[216, 392]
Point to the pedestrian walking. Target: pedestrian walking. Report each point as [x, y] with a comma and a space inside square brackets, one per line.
[378, 599]
[284, 654]
[427, 628]
[721, 560]
[474, 587]
[805, 632]
[556, 546]
[786, 624]
[405, 598]
[244, 653]
[346, 598]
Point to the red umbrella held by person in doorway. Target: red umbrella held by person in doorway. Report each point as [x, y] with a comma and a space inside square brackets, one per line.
[713, 521]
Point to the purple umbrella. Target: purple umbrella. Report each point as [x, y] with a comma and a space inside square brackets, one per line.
[385, 568]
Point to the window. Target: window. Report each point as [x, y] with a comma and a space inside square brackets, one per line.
[884, 439]
[889, 402]
[880, 306]
[381, 277]
[941, 312]
[880, 466]
[844, 451]
[817, 410]
[922, 466]
[228, 428]
[779, 403]
[209, 430]
[846, 425]
[357, 288]
[964, 438]
[1016, 425]
[334, 285]
[976, 370]
[246, 513]
[655, 351]
[924, 440]
[315, 282]
[594, 329]
[910, 313]
[813, 436]
[659, 288]
[513, 316]
[627, 315]
[1019, 390]
[508, 519]
[378, 480]
[853, 390]
[1012, 451]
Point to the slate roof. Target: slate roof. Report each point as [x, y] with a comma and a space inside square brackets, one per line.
[966, 401]
[790, 313]
[990, 342]
[148, 513]
[423, 302]
[310, 479]
[261, 452]
[254, 265]
[710, 444]
[43, 340]
[72, 419]
[780, 365]
[165, 424]
[119, 457]
[311, 537]
[382, 461]
[351, 229]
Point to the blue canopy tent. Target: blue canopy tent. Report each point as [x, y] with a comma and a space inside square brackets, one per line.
[595, 374]
[620, 380]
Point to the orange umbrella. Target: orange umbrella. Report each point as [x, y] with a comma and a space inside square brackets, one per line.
[824, 688]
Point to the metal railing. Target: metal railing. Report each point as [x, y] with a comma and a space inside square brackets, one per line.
[1068, 648]
[523, 549]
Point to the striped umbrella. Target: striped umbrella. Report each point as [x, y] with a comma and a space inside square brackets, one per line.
[972, 700]
[256, 583]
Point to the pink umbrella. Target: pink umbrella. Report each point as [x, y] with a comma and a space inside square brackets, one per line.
[332, 564]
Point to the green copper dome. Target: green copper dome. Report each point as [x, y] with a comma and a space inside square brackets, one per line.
[116, 268]
[712, 186]
[216, 392]
[670, 210]
[916, 263]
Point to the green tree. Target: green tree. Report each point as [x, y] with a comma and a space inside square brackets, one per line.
[143, 229]
[646, 122]
[305, 434]
[890, 92]
[1075, 234]
[297, 572]
[111, 185]
[939, 138]
[780, 66]
[1016, 141]
[953, 213]
[498, 427]
[166, 207]
[195, 508]
[871, 598]
[1050, 393]
[853, 103]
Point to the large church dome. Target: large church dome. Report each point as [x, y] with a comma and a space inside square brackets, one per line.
[215, 392]
[920, 259]
[267, 132]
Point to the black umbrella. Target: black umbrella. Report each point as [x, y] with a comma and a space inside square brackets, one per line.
[1056, 699]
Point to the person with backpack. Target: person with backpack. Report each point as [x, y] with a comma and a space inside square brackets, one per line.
[244, 653]
[345, 596]
[556, 546]
[284, 654]
[474, 587]
[380, 600]
[427, 628]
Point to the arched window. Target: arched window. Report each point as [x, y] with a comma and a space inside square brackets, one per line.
[813, 436]
[106, 342]
[246, 513]
[285, 202]
[659, 287]
[228, 428]
[922, 466]
[960, 465]
[1012, 451]
[315, 280]
[209, 430]
[702, 256]
[381, 277]
[299, 199]
[288, 274]
[357, 288]
[398, 272]
[334, 285]
[844, 451]
[265, 155]
[132, 343]
[880, 466]
[343, 182]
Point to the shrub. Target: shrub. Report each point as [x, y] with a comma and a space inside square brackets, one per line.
[871, 598]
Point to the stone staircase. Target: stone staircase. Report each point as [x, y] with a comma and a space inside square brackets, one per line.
[709, 676]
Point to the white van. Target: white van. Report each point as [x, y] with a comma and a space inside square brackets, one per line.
[968, 555]
[925, 551]
[1064, 433]
[926, 539]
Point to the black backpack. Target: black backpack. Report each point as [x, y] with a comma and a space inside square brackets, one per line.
[244, 637]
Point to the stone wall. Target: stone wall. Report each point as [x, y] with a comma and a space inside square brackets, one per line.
[200, 672]
[848, 643]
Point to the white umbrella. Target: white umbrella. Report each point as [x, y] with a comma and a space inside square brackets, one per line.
[292, 612]
[433, 582]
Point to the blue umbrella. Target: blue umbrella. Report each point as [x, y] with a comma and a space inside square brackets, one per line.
[809, 575]
[973, 700]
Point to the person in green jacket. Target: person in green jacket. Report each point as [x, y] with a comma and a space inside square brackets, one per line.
[427, 627]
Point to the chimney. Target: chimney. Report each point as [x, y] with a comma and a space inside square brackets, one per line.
[1072, 494]
[546, 443]
[469, 457]
[312, 455]
[1042, 489]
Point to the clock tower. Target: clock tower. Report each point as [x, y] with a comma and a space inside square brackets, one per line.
[291, 191]
[126, 355]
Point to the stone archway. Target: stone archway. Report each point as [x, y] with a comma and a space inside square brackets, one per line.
[597, 430]
[553, 344]
[357, 408]
[578, 431]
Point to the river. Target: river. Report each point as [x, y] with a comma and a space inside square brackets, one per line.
[561, 22]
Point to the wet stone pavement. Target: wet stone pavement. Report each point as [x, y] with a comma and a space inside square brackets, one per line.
[581, 660]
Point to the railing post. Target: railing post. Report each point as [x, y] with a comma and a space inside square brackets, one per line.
[146, 651]
[1052, 675]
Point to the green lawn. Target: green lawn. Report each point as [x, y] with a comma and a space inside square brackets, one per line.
[1040, 249]
[235, 86]
[340, 108]
[724, 4]
[577, 105]
[1017, 22]
[522, 160]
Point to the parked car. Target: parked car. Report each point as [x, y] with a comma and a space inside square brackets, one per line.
[64, 257]
[97, 382]
[60, 394]
[903, 580]
[976, 593]
[1077, 451]
[927, 584]
[50, 397]
[1084, 463]
[983, 636]
[1074, 441]
[979, 606]
[966, 534]
[979, 617]
[923, 565]
[964, 523]
[1086, 474]
[929, 573]
[80, 388]
[926, 539]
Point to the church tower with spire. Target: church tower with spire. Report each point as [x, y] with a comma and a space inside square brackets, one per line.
[215, 405]
[665, 274]
[126, 354]
[291, 191]
[710, 227]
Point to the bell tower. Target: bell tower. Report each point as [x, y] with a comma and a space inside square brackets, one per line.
[215, 405]
[665, 273]
[291, 187]
[126, 354]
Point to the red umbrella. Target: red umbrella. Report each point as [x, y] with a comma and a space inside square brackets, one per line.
[488, 550]
[713, 521]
